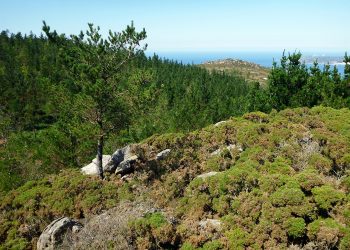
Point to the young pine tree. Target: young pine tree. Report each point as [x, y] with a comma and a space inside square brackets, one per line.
[96, 64]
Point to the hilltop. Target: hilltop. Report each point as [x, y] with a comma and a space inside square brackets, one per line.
[260, 181]
[250, 71]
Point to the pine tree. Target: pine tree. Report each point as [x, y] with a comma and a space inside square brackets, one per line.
[96, 64]
[347, 66]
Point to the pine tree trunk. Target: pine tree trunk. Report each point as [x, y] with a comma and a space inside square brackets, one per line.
[99, 156]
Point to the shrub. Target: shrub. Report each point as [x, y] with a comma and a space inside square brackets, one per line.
[36, 203]
[345, 242]
[287, 196]
[237, 239]
[296, 227]
[152, 231]
[320, 162]
[187, 246]
[326, 196]
[326, 231]
[309, 178]
[221, 205]
[212, 245]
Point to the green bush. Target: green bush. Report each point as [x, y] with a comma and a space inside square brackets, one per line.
[309, 178]
[321, 163]
[212, 245]
[296, 227]
[327, 231]
[345, 242]
[187, 246]
[287, 196]
[326, 196]
[237, 238]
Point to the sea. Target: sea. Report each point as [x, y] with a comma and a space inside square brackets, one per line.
[264, 58]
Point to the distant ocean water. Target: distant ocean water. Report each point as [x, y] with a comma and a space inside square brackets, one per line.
[264, 59]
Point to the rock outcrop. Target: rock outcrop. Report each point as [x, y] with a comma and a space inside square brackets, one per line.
[126, 166]
[92, 168]
[219, 123]
[120, 162]
[53, 234]
[118, 156]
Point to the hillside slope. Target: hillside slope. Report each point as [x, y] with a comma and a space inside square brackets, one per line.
[250, 71]
[261, 181]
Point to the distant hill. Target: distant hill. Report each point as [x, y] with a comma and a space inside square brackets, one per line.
[250, 71]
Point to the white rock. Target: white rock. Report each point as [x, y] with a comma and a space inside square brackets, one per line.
[229, 147]
[53, 234]
[92, 168]
[117, 157]
[234, 146]
[210, 223]
[206, 175]
[219, 123]
[216, 152]
[162, 155]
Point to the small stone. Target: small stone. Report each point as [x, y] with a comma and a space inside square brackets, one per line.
[219, 123]
[163, 154]
[206, 175]
[76, 228]
[210, 223]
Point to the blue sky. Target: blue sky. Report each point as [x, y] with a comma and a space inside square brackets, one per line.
[196, 25]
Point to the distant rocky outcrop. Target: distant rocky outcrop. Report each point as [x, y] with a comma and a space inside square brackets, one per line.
[53, 234]
[250, 71]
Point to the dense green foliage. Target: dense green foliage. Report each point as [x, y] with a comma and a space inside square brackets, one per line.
[292, 84]
[281, 190]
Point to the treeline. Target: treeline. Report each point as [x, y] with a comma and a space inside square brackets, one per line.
[292, 84]
[42, 129]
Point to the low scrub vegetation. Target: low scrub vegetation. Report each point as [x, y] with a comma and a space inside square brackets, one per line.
[282, 180]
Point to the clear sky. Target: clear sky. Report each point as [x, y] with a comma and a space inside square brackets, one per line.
[196, 25]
